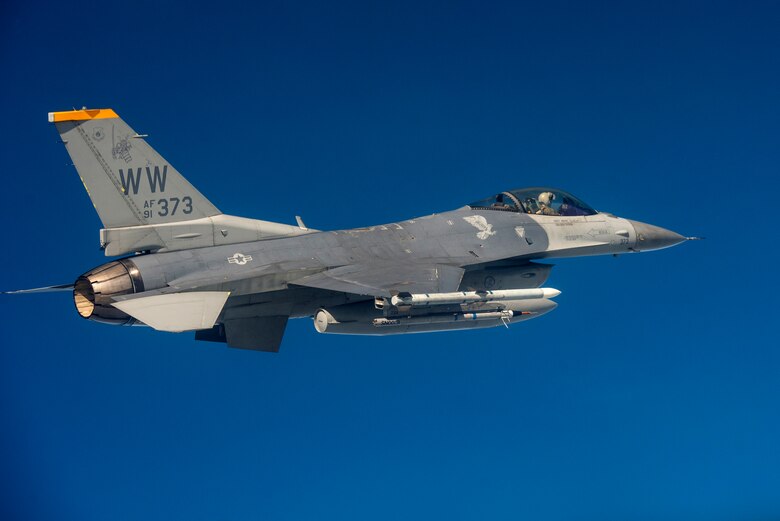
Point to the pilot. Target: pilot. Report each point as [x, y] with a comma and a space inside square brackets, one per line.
[545, 200]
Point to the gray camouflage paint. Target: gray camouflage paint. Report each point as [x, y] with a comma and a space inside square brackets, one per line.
[275, 271]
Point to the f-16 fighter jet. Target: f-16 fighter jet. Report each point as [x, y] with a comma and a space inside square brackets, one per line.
[189, 267]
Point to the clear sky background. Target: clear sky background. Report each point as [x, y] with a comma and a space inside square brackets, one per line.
[652, 391]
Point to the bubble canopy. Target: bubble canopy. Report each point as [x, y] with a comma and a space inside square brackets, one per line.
[538, 201]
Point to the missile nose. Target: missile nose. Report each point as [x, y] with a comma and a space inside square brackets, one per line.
[649, 237]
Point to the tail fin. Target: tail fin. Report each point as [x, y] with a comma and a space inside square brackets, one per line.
[130, 184]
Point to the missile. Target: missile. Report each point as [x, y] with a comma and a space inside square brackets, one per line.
[503, 316]
[466, 297]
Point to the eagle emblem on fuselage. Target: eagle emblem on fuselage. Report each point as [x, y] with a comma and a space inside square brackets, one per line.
[481, 224]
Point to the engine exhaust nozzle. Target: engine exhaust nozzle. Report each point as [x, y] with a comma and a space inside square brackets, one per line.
[94, 291]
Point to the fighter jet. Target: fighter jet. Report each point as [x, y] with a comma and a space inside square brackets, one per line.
[189, 267]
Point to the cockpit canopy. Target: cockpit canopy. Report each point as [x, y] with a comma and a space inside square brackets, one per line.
[539, 201]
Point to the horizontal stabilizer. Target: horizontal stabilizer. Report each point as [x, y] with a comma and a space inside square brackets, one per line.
[175, 311]
[385, 280]
[47, 289]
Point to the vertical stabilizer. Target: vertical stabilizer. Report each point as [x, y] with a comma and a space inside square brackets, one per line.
[130, 184]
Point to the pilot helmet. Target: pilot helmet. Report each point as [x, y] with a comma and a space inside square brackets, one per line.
[546, 198]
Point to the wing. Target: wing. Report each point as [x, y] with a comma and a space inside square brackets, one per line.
[386, 280]
[170, 310]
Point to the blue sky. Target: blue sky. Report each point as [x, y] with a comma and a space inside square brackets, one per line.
[650, 393]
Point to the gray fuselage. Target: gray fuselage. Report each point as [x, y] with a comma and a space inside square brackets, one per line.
[263, 278]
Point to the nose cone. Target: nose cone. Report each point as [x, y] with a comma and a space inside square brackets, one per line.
[649, 237]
